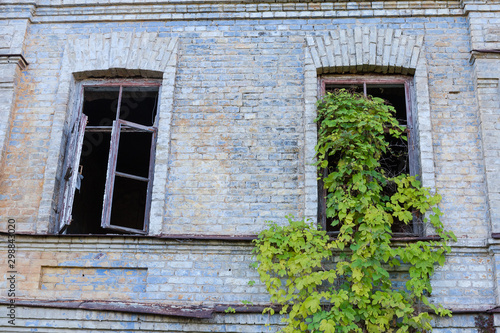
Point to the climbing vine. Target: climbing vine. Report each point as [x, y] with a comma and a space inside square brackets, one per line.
[343, 284]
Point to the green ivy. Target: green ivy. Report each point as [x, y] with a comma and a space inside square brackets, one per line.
[343, 284]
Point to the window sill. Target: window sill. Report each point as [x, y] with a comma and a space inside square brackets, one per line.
[174, 237]
[237, 238]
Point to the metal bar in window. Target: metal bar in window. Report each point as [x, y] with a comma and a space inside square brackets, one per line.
[126, 175]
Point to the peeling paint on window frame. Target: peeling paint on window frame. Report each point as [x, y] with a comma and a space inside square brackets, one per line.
[74, 149]
[364, 80]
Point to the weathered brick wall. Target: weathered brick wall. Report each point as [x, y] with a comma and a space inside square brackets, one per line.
[455, 120]
[466, 281]
[237, 142]
[485, 43]
[164, 271]
[11, 62]
[484, 23]
[253, 76]
[236, 138]
[82, 321]
[485, 35]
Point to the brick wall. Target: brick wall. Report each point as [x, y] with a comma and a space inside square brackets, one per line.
[236, 140]
[256, 85]
[131, 269]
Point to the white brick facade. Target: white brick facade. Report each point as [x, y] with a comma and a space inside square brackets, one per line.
[235, 148]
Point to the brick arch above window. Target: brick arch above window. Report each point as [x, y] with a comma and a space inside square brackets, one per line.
[111, 55]
[365, 50]
[120, 50]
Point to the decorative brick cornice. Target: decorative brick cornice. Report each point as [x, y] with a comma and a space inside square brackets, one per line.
[14, 59]
[480, 6]
[11, 9]
[484, 54]
[77, 11]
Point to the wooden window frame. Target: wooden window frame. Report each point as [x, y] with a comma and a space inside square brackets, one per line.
[112, 173]
[414, 167]
[74, 149]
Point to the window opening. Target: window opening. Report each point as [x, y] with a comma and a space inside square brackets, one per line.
[116, 160]
[397, 159]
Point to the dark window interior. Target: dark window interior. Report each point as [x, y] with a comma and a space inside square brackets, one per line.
[135, 103]
[100, 105]
[130, 190]
[129, 203]
[132, 157]
[88, 201]
[394, 162]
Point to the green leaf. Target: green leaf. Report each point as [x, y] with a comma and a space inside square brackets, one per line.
[350, 290]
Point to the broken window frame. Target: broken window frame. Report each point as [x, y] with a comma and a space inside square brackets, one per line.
[70, 176]
[112, 173]
[414, 168]
[74, 150]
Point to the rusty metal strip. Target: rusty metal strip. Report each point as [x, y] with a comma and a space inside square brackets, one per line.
[199, 312]
[143, 308]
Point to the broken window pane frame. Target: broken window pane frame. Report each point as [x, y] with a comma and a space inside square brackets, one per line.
[129, 181]
[398, 159]
[71, 171]
[102, 100]
[88, 203]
